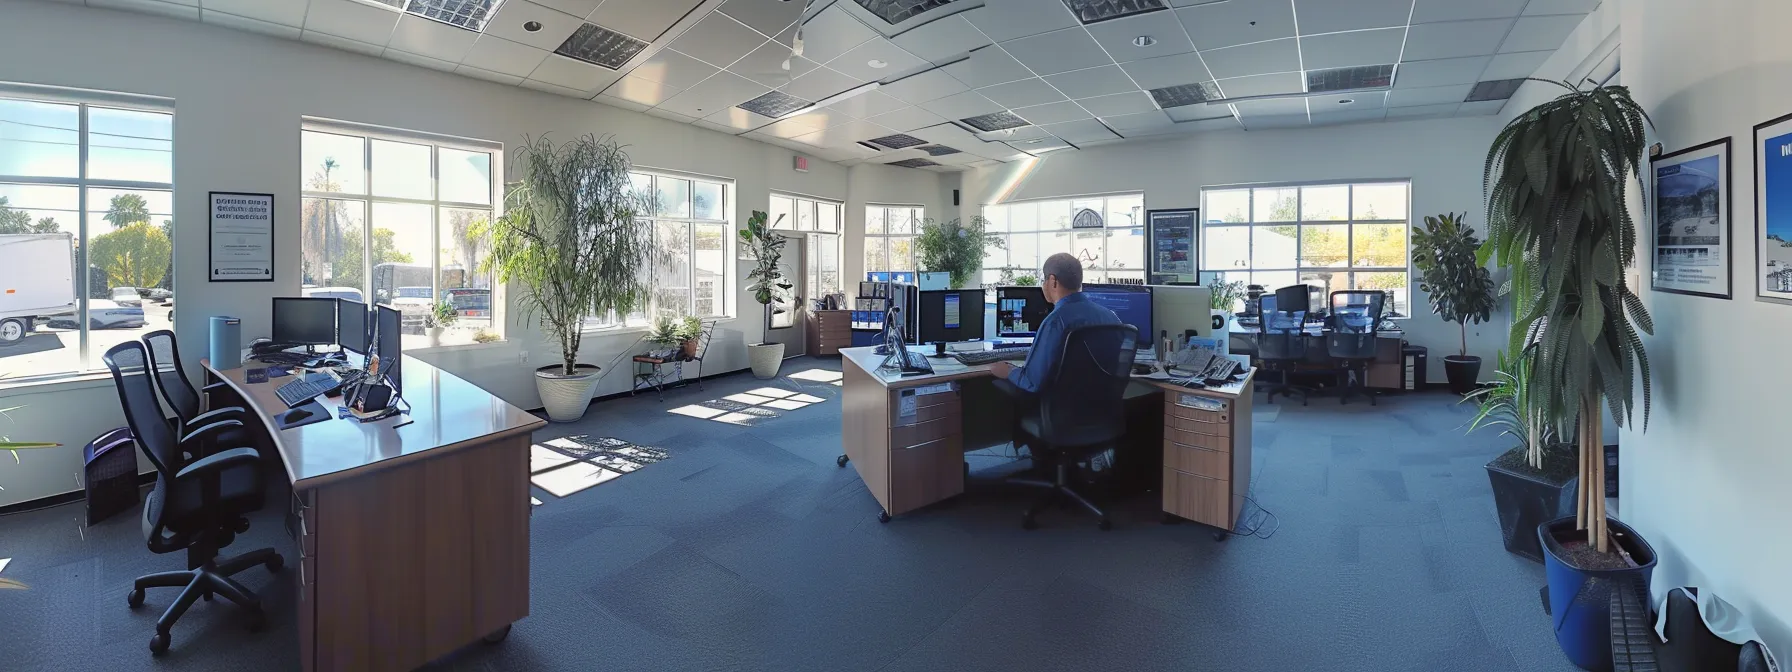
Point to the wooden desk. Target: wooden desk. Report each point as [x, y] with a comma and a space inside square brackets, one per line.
[905, 437]
[414, 540]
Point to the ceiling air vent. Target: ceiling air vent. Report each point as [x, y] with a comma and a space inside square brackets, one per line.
[1185, 94]
[899, 141]
[995, 121]
[1498, 89]
[468, 14]
[913, 163]
[596, 44]
[1091, 11]
[938, 150]
[897, 11]
[774, 104]
[1347, 79]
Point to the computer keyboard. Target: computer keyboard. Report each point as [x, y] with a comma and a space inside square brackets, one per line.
[990, 357]
[282, 358]
[304, 389]
[1012, 345]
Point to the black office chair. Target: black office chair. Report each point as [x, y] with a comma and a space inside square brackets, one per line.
[1281, 347]
[198, 505]
[171, 380]
[1081, 413]
[1355, 314]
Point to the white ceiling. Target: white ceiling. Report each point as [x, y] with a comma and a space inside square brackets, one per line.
[1078, 85]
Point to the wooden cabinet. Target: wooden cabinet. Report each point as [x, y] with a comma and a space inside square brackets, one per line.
[1207, 454]
[829, 331]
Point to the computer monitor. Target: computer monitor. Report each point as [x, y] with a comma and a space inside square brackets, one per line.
[351, 326]
[1132, 303]
[1316, 299]
[304, 321]
[1019, 311]
[387, 338]
[1182, 310]
[951, 315]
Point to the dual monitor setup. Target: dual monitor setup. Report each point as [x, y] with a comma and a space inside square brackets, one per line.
[353, 325]
[956, 315]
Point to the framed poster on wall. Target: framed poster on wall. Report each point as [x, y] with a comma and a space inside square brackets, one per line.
[1773, 210]
[242, 237]
[1171, 240]
[1692, 221]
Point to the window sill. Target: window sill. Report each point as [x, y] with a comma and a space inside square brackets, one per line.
[75, 381]
[640, 329]
[457, 347]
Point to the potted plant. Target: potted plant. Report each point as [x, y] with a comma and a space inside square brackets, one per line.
[1028, 280]
[1534, 482]
[680, 334]
[768, 285]
[441, 316]
[690, 329]
[1457, 284]
[954, 248]
[1225, 297]
[569, 239]
[1559, 219]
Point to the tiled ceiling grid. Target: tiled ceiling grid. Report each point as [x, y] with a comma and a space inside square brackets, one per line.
[997, 62]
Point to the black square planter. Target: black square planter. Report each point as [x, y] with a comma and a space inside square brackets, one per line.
[1524, 502]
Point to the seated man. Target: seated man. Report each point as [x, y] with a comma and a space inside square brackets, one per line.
[1062, 280]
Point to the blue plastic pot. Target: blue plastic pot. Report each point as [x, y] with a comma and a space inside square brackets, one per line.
[1580, 599]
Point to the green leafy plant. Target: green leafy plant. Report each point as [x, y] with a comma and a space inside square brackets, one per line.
[486, 336]
[766, 280]
[1028, 280]
[14, 447]
[1227, 295]
[689, 328]
[441, 314]
[1557, 179]
[569, 238]
[1459, 287]
[1511, 404]
[954, 247]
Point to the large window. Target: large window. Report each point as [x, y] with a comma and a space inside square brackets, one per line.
[819, 221]
[694, 245]
[890, 237]
[1335, 236]
[393, 217]
[86, 182]
[1106, 232]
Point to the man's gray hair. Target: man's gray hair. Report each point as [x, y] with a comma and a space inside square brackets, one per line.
[1068, 269]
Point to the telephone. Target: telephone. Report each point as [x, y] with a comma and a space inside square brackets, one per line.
[1220, 371]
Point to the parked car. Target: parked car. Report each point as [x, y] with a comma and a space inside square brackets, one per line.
[102, 314]
[157, 294]
[413, 304]
[349, 293]
[127, 296]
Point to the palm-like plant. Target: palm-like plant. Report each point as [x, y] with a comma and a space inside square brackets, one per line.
[14, 447]
[1512, 405]
[1556, 178]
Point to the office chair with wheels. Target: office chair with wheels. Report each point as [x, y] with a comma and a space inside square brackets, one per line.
[198, 504]
[171, 380]
[1281, 347]
[1081, 412]
[1352, 340]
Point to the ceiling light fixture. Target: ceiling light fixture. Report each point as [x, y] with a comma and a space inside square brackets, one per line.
[1144, 41]
[877, 63]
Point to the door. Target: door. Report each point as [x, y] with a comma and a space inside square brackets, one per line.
[786, 323]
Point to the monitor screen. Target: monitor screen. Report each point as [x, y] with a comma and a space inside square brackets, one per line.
[1019, 311]
[304, 321]
[351, 325]
[1132, 303]
[951, 315]
[388, 334]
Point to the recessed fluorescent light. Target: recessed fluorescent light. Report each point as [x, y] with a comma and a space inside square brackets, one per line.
[775, 105]
[1092, 11]
[897, 11]
[596, 44]
[1144, 41]
[913, 163]
[877, 63]
[468, 14]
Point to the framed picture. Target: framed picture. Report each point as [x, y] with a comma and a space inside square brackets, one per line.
[242, 237]
[1773, 211]
[1171, 241]
[1692, 221]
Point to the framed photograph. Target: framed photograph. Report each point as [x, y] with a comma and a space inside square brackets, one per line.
[242, 237]
[1171, 241]
[1773, 211]
[1692, 221]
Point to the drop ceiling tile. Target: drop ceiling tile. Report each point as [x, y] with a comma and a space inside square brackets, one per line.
[1188, 113]
[1331, 117]
[187, 10]
[352, 20]
[513, 14]
[819, 83]
[1560, 7]
[769, 17]
[1433, 11]
[642, 91]
[831, 33]
[1260, 122]
[1226, 24]
[857, 62]
[1138, 122]
[1273, 107]
[1117, 35]
[487, 75]
[1040, 147]
[434, 39]
[929, 85]
[845, 134]
[942, 40]
[251, 25]
[794, 127]
[1157, 73]
[986, 67]
[724, 90]
[736, 119]
[578, 8]
[1443, 72]
[1118, 104]
[1254, 59]
[574, 74]
[673, 69]
[1004, 20]
[1107, 79]
[1442, 109]
[718, 40]
[1262, 85]
[1060, 51]
[668, 114]
[1430, 95]
[1363, 47]
[1480, 107]
[1023, 93]
[908, 119]
[1453, 39]
[342, 43]
[868, 104]
[552, 88]
[963, 105]
[1538, 33]
[497, 54]
[1330, 16]
[419, 60]
[1361, 100]
[645, 19]
[766, 65]
[1053, 113]
[1514, 66]
[283, 12]
[946, 134]
[1081, 131]
[618, 102]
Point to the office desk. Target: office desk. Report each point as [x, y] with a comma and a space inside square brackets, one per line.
[906, 438]
[1387, 371]
[414, 540]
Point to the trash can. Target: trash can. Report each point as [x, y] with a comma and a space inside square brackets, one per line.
[1414, 356]
[111, 474]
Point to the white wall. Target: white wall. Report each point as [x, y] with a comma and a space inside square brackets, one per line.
[1706, 483]
[1442, 158]
[239, 98]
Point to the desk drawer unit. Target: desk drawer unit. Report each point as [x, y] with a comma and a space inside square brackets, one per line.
[1197, 461]
[1206, 456]
[829, 331]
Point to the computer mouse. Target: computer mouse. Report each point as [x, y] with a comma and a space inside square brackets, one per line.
[297, 414]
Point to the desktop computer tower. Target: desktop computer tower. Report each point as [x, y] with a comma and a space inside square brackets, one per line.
[906, 299]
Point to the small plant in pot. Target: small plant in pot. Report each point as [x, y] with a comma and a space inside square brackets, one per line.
[441, 316]
[768, 285]
[1458, 286]
[1225, 298]
[1534, 482]
[570, 242]
[677, 334]
[955, 248]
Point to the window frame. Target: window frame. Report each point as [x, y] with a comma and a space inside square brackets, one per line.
[992, 273]
[813, 279]
[1349, 269]
[919, 216]
[725, 299]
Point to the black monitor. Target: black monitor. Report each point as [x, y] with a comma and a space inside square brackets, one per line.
[387, 337]
[304, 321]
[1019, 310]
[351, 326]
[951, 315]
[1132, 303]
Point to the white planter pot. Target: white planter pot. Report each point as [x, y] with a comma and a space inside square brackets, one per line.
[435, 336]
[565, 397]
[765, 359]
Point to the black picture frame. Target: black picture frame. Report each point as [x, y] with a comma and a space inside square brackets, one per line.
[1151, 237]
[1760, 241]
[1727, 215]
[211, 267]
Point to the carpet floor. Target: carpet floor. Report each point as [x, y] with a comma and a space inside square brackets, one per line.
[749, 549]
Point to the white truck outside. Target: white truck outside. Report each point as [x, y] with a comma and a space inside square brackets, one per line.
[37, 277]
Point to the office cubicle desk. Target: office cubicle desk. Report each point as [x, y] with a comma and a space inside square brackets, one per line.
[1388, 371]
[907, 437]
[413, 540]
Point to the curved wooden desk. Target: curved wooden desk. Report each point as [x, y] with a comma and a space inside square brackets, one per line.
[414, 539]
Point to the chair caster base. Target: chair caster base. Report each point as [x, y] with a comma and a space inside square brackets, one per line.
[498, 636]
[840, 461]
[135, 599]
[883, 516]
[158, 644]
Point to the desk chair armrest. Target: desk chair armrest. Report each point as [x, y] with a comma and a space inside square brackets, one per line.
[219, 461]
[208, 429]
[216, 414]
[215, 386]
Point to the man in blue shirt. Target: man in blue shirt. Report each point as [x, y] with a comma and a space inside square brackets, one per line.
[1062, 280]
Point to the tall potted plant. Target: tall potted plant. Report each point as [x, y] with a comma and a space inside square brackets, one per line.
[768, 285]
[1534, 482]
[1458, 286]
[1558, 177]
[570, 242]
[955, 248]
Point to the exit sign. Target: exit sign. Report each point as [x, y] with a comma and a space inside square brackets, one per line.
[802, 164]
